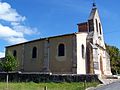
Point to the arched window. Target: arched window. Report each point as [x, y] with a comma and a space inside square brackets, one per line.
[100, 28]
[34, 52]
[83, 51]
[14, 53]
[96, 24]
[61, 50]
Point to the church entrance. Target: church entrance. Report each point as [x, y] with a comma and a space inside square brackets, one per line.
[101, 65]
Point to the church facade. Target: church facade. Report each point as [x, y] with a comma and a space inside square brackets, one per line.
[83, 52]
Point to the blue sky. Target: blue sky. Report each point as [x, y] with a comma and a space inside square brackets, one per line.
[24, 20]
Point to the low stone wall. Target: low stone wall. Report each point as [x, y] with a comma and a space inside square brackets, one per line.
[38, 77]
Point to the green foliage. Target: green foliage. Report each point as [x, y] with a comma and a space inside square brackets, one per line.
[114, 53]
[9, 63]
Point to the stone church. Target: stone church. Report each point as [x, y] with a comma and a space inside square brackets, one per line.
[83, 52]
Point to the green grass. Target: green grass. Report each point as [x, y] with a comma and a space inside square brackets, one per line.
[50, 86]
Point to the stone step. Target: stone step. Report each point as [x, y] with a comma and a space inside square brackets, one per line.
[108, 81]
[109, 77]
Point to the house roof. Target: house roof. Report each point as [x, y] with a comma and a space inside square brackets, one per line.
[45, 38]
[41, 39]
[83, 27]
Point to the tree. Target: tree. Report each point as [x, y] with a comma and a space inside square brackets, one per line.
[8, 64]
[114, 53]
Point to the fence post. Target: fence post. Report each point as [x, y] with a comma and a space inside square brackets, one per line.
[85, 84]
[45, 88]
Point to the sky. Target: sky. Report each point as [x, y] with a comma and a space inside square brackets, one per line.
[25, 20]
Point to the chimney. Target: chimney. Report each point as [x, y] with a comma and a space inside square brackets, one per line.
[83, 27]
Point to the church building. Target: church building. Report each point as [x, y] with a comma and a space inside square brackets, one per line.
[83, 52]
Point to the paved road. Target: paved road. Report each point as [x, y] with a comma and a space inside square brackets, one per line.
[112, 86]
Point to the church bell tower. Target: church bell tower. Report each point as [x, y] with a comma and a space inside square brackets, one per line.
[98, 60]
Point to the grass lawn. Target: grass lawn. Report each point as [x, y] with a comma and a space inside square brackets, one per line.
[50, 86]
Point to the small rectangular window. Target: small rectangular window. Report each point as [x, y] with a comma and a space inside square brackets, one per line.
[34, 52]
[61, 50]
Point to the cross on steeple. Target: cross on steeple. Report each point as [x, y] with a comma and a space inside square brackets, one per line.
[94, 4]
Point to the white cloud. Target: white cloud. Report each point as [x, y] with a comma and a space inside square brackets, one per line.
[9, 14]
[15, 40]
[11, 35]
[25, 29]
[2, 54]
[14, 32]
[6, 31]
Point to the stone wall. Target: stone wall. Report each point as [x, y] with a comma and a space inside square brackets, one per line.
[39, 77]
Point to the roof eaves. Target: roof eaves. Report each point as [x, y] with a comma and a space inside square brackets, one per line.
[41, 39]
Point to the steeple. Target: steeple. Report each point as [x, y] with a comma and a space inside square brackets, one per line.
[94, 10]
[95, 27]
